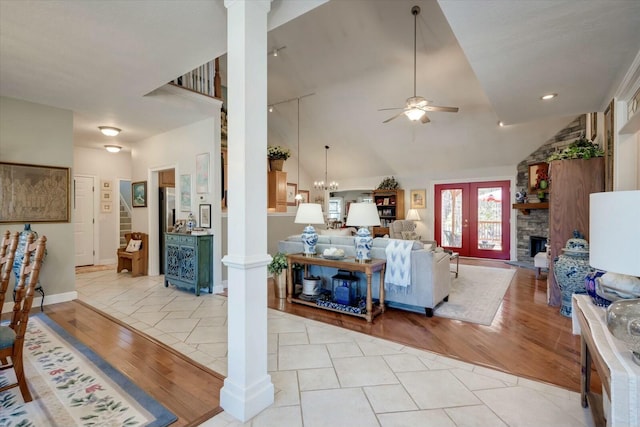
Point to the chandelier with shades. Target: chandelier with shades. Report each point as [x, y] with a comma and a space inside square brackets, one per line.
[325, 185]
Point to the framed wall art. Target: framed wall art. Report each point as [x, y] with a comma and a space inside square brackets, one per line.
[202, 173]
[106, 185]
[139, 194]
[418, 199]
[34, 193]
[185, 193]
[105, 207]
[609, 145]
[292, 190]
[205, 216]
[106, 196]
[305, 196]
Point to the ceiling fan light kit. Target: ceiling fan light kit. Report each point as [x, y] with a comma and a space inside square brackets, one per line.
[417, 106]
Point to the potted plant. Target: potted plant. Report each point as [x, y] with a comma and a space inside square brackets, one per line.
[278, 267]
[277, 155]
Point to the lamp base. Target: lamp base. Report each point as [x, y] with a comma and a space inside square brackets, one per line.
[363, 241]
[309, 239]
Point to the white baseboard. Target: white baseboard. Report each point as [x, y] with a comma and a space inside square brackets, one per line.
[108, 261]
[220, 288]
[49, 299]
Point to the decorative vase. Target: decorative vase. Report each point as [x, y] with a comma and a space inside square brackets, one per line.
[280, 282]
[191, 222]
[21, 248]
[570, 270]
[541, 196]
[276, 164]
[544, 184]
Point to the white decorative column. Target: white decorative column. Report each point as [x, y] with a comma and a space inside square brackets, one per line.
[247, 389]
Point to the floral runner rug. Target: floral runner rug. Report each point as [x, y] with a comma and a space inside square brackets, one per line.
[73, 386]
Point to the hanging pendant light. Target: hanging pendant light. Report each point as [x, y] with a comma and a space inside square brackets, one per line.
[325, 185]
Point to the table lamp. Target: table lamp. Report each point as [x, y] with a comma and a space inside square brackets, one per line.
[309, 213]
[614, 234]
[363, 215]
[412, 215]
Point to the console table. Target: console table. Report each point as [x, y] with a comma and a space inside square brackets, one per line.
[619, 374]
[350, 264]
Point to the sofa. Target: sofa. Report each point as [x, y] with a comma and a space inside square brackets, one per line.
[430, 272]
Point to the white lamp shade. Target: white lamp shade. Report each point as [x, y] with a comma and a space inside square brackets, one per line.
[309, 213]
[614, 232]
[412, 215]
[363, 215]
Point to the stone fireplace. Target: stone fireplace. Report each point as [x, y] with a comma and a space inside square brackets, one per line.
[534, 224]
[537, 244]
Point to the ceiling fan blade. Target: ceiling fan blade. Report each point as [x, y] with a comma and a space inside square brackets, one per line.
[425, 119]
[394, 117]
[439, 108]
[387, 109]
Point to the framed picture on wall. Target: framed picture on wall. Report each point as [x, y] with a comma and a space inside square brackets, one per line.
[205, 216]
[202, 173]
[34, 193]
[418, 199]
[292, 190]
[106, 185]
[139, 194]
[609, 144]
[105, 207]
[305, 196]
[185, 193]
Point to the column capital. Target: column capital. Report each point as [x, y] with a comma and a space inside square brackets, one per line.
[266, 4]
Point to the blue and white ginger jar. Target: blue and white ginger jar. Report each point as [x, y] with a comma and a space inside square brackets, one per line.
[570, 270]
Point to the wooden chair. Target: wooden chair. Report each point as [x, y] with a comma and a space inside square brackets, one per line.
[7, 255]
[134, 262]
[12, 336]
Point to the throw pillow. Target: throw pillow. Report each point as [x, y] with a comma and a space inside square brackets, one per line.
[134, 245]
[408, 226]
[410, 235]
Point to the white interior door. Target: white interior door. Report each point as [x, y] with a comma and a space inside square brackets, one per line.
[83, 202]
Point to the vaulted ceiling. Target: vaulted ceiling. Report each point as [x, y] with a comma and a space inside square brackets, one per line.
[493, 59]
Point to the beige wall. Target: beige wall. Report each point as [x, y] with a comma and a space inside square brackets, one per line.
[102, 165]
[37, 134]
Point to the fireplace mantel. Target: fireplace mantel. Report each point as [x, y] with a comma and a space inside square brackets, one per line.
[525, 208]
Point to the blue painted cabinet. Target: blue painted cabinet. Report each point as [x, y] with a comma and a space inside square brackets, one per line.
[188, 261]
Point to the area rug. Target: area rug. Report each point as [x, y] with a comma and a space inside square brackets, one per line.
[476, 294]
[73, 386]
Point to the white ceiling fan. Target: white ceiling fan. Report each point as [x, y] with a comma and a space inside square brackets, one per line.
[417, 106]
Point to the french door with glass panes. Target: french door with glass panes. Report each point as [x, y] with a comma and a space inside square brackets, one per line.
[473, 218]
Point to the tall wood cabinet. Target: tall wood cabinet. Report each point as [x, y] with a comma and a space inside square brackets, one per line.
[390, 204]
[277, 191]
[571, 183]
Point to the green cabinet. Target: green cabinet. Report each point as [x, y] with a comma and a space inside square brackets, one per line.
[188, 261]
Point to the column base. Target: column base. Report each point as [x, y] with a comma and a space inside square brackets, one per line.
[245, 403]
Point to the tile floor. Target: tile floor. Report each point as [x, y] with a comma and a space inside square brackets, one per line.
[328, 376]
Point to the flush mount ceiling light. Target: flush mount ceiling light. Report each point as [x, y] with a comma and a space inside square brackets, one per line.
[548, 96]
[109, 130]
[113, 148]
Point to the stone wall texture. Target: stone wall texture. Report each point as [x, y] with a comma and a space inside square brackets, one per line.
[537, 222]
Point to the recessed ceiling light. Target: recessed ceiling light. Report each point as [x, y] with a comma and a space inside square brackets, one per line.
[113, 148]
[109, 130]
[548, 96]
[271, 108]
[501, 123]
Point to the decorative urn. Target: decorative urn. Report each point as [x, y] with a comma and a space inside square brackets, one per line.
[570, 270]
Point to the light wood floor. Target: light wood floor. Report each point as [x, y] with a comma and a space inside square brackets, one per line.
[528, 338]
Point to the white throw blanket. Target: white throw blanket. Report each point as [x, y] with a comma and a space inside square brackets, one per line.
[398, 271]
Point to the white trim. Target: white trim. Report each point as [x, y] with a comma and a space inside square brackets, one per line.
[49, 299]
